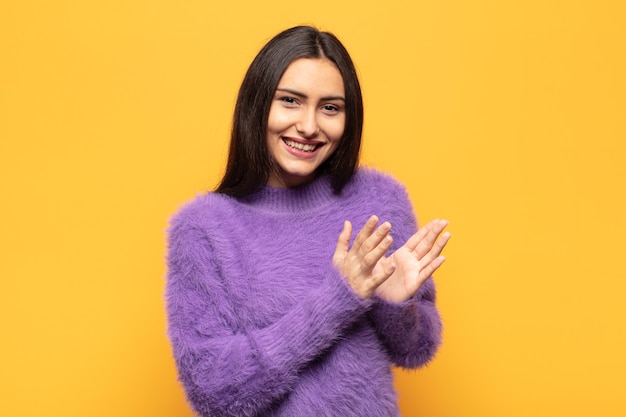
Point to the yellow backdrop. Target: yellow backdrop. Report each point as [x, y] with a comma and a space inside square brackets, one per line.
[506, 117]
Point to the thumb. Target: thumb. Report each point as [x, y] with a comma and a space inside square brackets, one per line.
[343, 242]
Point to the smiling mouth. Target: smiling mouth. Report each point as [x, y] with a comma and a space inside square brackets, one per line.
[302, 146]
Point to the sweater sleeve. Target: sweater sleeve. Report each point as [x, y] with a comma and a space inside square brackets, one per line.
[411, 331]
[226, 369]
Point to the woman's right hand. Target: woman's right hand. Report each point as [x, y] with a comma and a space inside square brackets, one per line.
[356, 264]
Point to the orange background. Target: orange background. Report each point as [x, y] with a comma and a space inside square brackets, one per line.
[506, 117]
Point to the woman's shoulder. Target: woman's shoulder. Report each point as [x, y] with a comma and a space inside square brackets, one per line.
[204, 208]
[370, 180]
[388, 198]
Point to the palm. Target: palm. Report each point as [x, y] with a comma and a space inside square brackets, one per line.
[415, 262]
[403, 283]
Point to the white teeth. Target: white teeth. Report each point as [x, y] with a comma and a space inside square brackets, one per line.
[300, 146]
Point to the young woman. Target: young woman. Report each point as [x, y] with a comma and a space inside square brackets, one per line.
[274, 309]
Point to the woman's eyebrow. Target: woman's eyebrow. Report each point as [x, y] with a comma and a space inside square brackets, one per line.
[302, 95]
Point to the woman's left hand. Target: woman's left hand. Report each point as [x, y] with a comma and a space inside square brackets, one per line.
[414, 262]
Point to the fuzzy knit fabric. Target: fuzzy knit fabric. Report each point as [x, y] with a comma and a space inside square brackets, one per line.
[262, 324]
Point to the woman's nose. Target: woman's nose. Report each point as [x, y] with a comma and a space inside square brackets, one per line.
[307, 125]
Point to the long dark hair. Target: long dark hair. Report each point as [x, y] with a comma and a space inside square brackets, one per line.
[249, 163]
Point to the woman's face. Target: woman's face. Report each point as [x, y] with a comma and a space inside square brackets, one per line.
[306, 120]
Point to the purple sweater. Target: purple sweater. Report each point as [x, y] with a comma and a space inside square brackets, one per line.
[262, 324]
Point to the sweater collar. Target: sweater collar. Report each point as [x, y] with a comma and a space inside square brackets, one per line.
[309, 197]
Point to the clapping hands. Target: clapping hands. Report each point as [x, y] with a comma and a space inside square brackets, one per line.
[395, 278]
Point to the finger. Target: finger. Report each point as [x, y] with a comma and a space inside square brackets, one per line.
[436, 249]
[364, 233]
[427, 243]
[414, 240]
[371, 258]
[382, 276]
[375, 239]
[429, 269]
[343, 242]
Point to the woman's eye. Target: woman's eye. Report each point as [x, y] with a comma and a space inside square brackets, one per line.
[288, 100]
[330, 108]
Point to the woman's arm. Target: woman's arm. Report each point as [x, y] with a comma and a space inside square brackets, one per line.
[405, 314]
[225, 369]
[411, 331]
